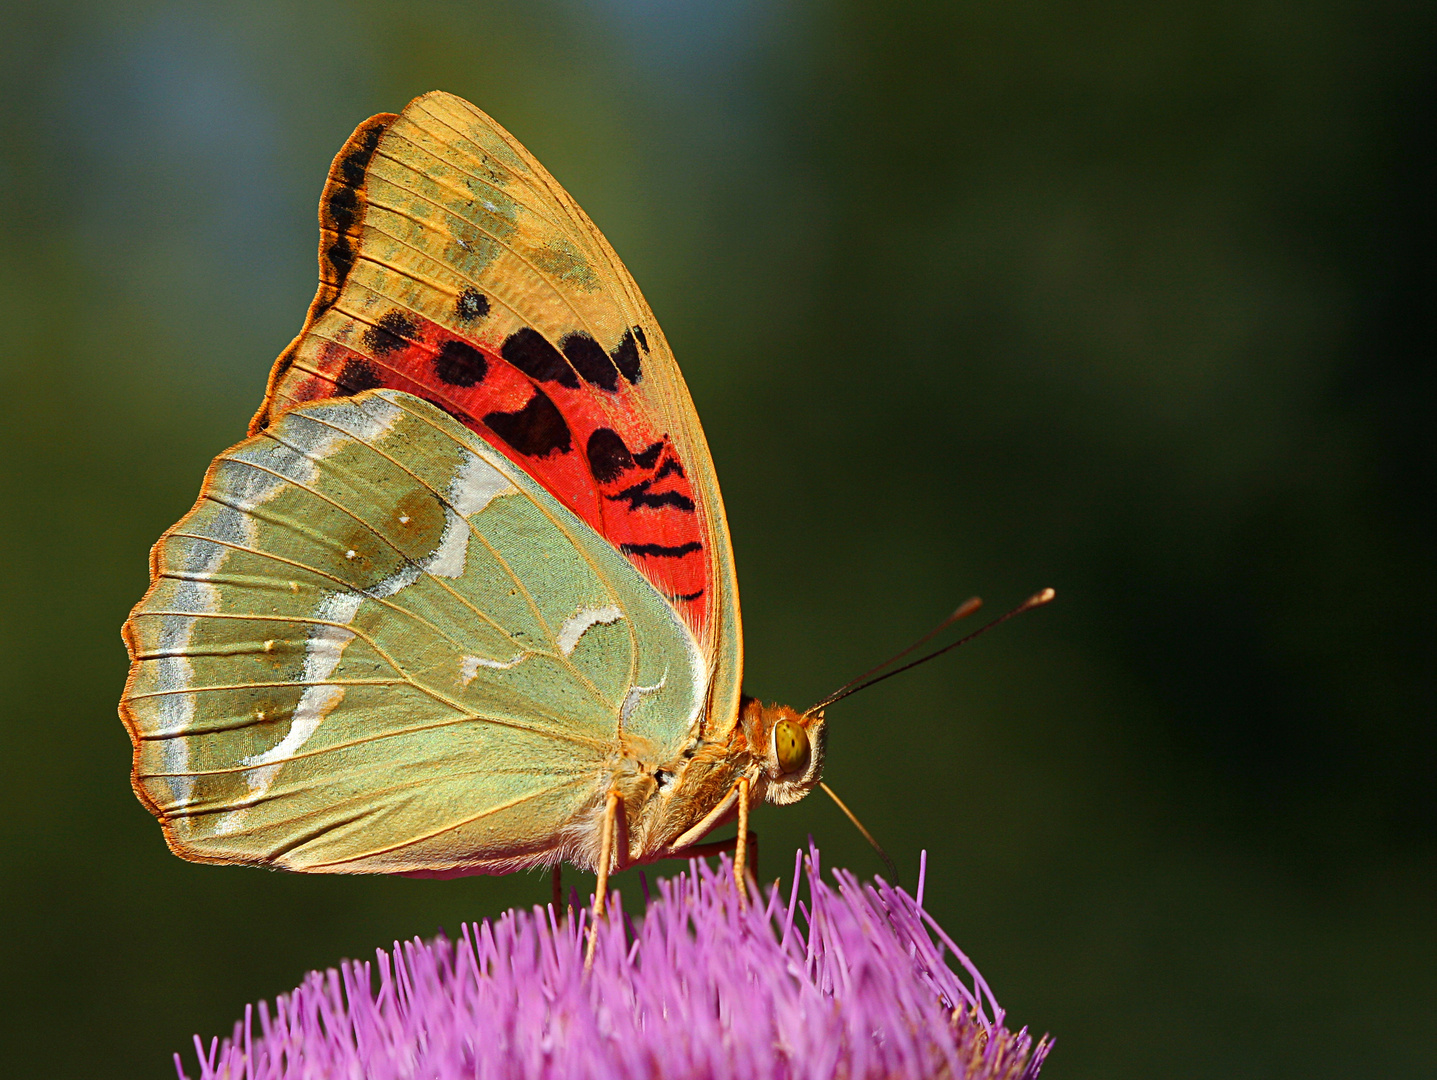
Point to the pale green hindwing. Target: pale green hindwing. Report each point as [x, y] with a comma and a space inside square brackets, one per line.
[375, 644]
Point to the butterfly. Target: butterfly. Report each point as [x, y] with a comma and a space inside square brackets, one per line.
[464, 600]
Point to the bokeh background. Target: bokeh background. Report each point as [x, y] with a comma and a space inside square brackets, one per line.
[1134, 300]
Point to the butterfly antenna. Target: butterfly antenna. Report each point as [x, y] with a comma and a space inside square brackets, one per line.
[966, 608]
[1038, 599]
[887, 862]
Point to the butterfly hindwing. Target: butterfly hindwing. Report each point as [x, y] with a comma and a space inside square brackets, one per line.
[454, 267]
[376, 644]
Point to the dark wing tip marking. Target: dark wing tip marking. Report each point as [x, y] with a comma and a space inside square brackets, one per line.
[340, 256]
[341, 207]
[353, 165]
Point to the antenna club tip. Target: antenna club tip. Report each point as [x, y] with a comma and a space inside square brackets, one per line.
[966, 608]
[1038, 599]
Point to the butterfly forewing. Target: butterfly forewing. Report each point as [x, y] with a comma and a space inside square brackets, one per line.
[453, 266]
[375, 644]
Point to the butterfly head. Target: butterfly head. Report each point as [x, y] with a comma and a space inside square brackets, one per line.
[789, 745]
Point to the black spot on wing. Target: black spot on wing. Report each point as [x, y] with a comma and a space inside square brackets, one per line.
[460, 364]
[609, 458]
[626, 353]
[471, 306]
[646, 457]
[661, 551]
[356, 376]
[536, 430]
[689, 597]
[590, 360]
[670, 467]
[531, 353]
[392, 332]
[640, 495]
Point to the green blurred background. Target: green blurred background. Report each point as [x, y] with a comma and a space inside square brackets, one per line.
[1131, 300]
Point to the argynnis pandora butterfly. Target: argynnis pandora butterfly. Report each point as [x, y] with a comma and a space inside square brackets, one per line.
[464, 600]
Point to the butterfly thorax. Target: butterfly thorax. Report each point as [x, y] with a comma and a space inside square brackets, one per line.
[674, 804]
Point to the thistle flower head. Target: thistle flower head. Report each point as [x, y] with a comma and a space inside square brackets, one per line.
[851, 981]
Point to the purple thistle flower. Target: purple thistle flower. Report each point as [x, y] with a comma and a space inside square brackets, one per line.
[848, 984]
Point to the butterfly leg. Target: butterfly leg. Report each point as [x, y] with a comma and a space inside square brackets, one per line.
[606, 853]
[601, 889]
[556, 887]
[740, 850]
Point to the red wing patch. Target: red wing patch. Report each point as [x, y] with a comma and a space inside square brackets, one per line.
[577, 435]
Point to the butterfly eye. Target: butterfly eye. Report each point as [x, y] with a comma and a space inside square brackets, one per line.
[790, 744]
